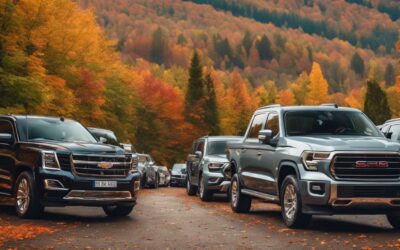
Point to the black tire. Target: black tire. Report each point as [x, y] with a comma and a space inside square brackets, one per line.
[204, 194]
[292, 214]
[143, 181]
[33, 208]
[190, 189]
[117, 211]
[240, 203]
[394, 220]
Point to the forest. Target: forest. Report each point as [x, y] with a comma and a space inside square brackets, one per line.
[162, 73]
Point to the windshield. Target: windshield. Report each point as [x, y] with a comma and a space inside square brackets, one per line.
[53, 129]
[178, 167]
[142, 158]
[217, 147]
[354, 123]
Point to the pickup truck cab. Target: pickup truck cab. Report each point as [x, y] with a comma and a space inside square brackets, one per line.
[316, 160]
[49, 161]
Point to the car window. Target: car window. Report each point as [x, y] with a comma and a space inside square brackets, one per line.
[395, 130]
[200, 147]
[256, 125]
[6, 127]
[273, 123]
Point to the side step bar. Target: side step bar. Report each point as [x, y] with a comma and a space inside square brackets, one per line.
[260, 195]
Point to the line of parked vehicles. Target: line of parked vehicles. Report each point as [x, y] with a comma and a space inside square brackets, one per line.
[311, 160]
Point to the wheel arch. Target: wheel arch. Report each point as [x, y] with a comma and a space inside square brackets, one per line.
[286, 168]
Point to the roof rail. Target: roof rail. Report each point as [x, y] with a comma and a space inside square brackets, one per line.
[271, 106]
[330, 104]
[393, 120]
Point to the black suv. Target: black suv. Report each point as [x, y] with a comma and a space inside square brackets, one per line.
[48, 161]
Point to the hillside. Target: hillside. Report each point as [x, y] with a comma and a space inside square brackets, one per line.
[227, 34]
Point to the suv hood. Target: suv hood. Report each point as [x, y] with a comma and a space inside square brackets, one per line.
[76, 147]
[216, 158]
[340, 143]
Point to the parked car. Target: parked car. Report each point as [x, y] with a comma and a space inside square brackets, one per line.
[149, 171]
[48, 161]
[164, 178]
[316, 160]
[108, 137]
[208, 169]
[178, 174]
[391, 129]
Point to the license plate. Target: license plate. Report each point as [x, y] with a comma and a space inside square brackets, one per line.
[105, 184]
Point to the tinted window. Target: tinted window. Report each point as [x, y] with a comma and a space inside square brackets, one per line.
[5, 127]
[329, 123]
[256, 126]
[200, 147]
[178, 167]
[217, 147]
[53, 129]
[273, 123]
[395, 131]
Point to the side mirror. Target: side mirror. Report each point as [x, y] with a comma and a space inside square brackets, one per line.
[102, 139]
[6, 138]
[388, 135]
[127, 148]
[264, 136]
[198, 154]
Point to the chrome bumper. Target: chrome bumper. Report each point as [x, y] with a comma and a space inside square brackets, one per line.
[89, 195]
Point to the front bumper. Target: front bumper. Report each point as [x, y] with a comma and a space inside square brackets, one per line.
[178, 180]
[62, 188]
[349, 197]
[216, 181]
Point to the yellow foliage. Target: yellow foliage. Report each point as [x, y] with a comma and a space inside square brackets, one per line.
[318, 88]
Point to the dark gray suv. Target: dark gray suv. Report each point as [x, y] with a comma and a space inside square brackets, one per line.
[316, 160]
[208, 169]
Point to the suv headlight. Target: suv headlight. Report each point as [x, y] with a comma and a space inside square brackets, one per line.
[213, 166]
[134, 164]
[50, 160]
[312, 159]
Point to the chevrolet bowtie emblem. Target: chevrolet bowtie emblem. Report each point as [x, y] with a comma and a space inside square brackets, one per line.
[105, 165]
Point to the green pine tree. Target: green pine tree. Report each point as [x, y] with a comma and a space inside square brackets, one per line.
[195, 90]
[390, 75]
[211, 110]
[357, 64]
[247, 42]
[376, 105]
[264, 48]
[158, 46]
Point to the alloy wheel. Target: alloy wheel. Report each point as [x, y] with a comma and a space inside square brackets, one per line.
[23, 198]
[234, 192]
[290, 201]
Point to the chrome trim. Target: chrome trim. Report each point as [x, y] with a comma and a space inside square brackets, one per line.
[258, 176]
[335, 153]
[47, 186]
[125, 163]
[56, 157]
[97, 162]
[89, 195]
[5, 177]
[260, 195]
[224, 186]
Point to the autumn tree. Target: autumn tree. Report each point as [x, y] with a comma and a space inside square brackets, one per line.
[376, 104]
[247, 42]
[318, 89]
[299, 88]
[357, 64]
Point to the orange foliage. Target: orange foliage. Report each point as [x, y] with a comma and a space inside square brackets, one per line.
[10, 232]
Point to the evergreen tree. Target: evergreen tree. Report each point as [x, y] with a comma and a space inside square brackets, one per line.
[264, 48]
[247, 42]
[195, 90]
[211, 110]
[376, 104]
[390, 75]
[357, 64]
[158, 46]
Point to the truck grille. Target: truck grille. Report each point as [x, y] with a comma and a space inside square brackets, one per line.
[65, 161]
[344, 166]
[102, 165]
[368, 191]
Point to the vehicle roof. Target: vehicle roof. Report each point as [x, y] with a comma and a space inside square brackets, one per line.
[395, 120]
[222, 138]
[327, 107]
[21, 117]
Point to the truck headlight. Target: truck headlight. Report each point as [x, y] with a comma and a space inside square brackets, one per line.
[134, 164]
[50, 160]
[215, 166]
[312, 159]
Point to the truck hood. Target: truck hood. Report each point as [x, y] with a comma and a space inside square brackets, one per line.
[340, 143]
[75, 147]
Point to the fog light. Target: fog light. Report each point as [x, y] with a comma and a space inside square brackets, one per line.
[136, 186]
[51, 184]
[317, 188]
